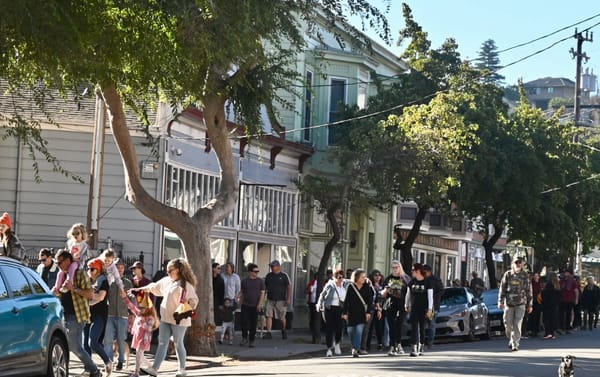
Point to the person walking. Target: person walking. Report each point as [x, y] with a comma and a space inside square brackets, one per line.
[146, 321]
[330, 303]
[314, 318]
[393, 305]
[533, 325]
[93, 331]
[550, 303]
[515, 298]
[419, 303]
[139, 279]
[568, 300]
[251, 297]
[179, 286]
[590, 299]
[477, 285]
[47, 268]
[218, 285]
[378, 319]
[79, 249]
[438, 292]
[279, 297]
[10, 245]
[358, 308]
[75, 302]
[116, 322]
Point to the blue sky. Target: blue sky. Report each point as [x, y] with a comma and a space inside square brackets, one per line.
[508, 23]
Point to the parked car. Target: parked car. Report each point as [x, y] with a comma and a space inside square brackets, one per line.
[32, 327]
[462, 314]
[495, 315]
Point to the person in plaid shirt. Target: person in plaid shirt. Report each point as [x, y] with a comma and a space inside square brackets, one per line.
[75, 302]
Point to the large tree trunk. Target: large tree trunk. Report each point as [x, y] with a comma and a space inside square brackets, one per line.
[405, 247]
[488, 245]
[334, 219]
[194, 231]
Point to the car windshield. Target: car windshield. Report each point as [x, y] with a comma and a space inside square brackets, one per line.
[454, 297]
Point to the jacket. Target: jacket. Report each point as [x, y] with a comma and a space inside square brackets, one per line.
[11, 247]
[52, 273]
[353, 305]
[515, 289]
[326, 297]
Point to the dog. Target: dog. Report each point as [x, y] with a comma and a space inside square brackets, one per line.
[261, 324]
[116, 353]
[567, 366]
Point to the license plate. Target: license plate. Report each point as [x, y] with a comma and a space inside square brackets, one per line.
[495, 323]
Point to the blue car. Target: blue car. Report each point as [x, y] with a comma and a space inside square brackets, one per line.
[490, 297]
[33, 337]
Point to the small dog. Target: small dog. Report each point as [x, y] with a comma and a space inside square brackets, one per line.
[116, 353]
[261, 324]
[566, 367]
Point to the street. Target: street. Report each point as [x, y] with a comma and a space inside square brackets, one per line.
[537, 357]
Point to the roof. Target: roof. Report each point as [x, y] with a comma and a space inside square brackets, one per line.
[550, 82]
[593, 257]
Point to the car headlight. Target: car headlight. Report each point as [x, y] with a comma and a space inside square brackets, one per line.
[463, 313]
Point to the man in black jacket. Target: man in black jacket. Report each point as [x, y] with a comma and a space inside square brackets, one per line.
[438, 292]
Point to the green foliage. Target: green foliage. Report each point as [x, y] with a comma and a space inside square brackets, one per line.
[489, 62]
[557, 102]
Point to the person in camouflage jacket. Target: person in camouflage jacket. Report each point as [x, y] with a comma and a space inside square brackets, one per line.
[515, 297]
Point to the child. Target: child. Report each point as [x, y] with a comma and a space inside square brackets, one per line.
[80, 251]
[112, 273]
[145, 322]
[226, 312]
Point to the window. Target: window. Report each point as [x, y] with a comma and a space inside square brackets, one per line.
[435, 219]
[408, 213]
[337, 99]
[3, 290]
[457, 225]
[268, 209]
[550, 90]
[307, 106]
[34, 280]
[19, 286]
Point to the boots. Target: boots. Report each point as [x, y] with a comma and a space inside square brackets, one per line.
[415, 351]
[421, 349]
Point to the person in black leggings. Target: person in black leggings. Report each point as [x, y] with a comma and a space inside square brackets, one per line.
[419, 303]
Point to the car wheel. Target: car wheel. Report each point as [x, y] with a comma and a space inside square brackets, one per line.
[488, 331]
[471, 334]
[58, 358]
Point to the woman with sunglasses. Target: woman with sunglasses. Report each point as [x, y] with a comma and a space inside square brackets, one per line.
[179, 286]
[330, 303]
[378, 321]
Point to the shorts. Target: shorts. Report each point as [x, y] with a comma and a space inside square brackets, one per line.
[276, 309]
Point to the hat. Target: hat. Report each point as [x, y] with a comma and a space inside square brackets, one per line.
[427, 267]
[5, 219]
[517, 258]
[96, 263]
[274, 263]
[137, 264]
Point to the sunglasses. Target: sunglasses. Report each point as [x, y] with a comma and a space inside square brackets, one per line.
[518, 262]
[43, 260]
[93, 269]
[339, 277]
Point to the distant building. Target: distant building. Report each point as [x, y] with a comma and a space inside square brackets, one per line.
[541, 91]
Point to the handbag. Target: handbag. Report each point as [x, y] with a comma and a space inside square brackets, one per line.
[183, 310]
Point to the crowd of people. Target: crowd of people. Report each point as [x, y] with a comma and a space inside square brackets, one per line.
[103, 309]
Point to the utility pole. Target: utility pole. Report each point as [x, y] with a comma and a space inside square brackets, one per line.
[579, 55]
[96, 170]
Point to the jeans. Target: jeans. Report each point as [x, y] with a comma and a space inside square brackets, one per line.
[116, 328]
[249, 317]
[513, 318]
[92, 334]
[355, 335]
[165, 331]
[75, 341]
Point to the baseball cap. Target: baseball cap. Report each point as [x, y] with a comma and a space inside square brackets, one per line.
[274, 263]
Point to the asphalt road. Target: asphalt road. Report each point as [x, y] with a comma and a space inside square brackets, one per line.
[536, 358]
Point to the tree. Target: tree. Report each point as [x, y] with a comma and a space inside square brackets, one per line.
[489, 62]
[200, 53]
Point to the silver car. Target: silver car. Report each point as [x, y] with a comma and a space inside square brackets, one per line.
[462, 314]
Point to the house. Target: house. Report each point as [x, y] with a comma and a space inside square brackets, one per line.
[541, 91]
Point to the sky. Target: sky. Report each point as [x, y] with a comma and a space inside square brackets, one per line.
[508, 23]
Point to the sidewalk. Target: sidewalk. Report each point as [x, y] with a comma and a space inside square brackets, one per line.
[298, 344]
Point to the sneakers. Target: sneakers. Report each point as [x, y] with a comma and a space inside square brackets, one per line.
[415, 351]
[379, 347]
[514, 348]
[181, 373]
[329, 353]
[149, 370]
[392, 352]
[363, 352]
[399, 350]
[268, 335]
[354, 353]
[336, 349]
[421, 350]
[549, 336]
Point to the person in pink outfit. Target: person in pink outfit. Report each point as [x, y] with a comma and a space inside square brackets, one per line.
[146, 321]
[80, 251]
